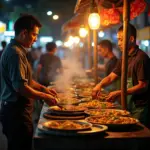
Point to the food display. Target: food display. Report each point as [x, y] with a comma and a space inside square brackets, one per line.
[84, 85]
[102, 97]
[68, 108]
[65, 95]
[107, 112]
[85, 93]
[105, 120]
[97, 104]
[67, 125]
[86, 99]
[68, 101]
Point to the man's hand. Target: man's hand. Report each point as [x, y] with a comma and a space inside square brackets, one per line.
[112, 96]
[95, 92]
[50, 100]
[49, 91]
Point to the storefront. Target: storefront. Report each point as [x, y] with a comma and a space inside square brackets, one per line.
[143, 37]
[2, 30]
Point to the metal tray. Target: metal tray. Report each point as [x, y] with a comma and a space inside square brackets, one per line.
[67, 125]
[61, 117]
[112, 125]
[107, 112]
[67, 111]
[96, 129]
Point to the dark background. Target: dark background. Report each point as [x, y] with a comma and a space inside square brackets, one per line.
[10, 10]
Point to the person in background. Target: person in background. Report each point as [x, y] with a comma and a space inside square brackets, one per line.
[19, 89]
[138, 87]
[38, 54]
[106, 51]
[3, 44]
[50, 66]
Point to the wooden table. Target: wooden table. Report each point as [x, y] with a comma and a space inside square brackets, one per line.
[135, 139]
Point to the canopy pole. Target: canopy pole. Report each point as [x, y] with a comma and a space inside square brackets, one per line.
[126, 8]
[95, 56]
[89, 48]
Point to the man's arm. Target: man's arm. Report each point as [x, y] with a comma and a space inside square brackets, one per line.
[139, 88]
[105, 82]
[37, 86]
[43, 88]
[29, 92]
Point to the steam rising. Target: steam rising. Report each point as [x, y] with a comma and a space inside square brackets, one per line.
[72, 68]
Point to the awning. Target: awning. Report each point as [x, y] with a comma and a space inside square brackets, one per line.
[111, 10]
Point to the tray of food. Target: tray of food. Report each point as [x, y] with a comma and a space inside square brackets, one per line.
[67, 125]
[88, 130]
[63, 117]
[67, 110]
[84, 85]
[112, 121]
[97, 104]
[107, 112]
[68, 101]
[65, 95]
[86, 99]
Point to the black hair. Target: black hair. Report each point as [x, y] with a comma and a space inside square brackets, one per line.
[50, 46]
[131, 30]
[27, 22]
[3, 43]
[106, 43]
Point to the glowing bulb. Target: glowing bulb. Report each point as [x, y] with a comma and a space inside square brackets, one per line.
[55, 17]
[83, 32]
[49, 13]
[94, 21]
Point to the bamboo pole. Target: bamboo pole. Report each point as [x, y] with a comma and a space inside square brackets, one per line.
[126, 8]
[89, 48]
[95, 56]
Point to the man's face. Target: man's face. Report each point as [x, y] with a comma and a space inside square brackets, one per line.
[120, 40]
[30, 37]
[102, 51]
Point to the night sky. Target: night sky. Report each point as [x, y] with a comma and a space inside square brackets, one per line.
[64, 8]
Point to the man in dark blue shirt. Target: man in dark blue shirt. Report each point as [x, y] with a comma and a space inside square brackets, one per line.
[18, 88]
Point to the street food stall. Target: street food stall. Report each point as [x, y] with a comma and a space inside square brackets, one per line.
[80, 122]
[111, 12]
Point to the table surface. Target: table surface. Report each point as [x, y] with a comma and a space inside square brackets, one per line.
[135, 138]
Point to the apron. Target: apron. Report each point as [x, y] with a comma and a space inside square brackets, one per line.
[140, 113]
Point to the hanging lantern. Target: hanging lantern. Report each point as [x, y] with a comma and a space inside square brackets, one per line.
[94, 21]
[83, 32]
